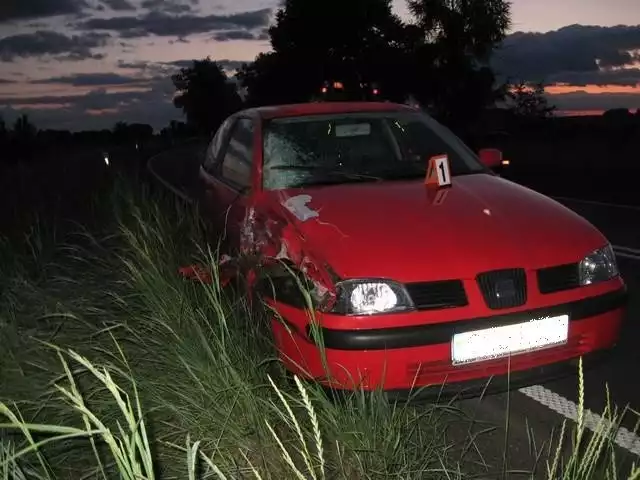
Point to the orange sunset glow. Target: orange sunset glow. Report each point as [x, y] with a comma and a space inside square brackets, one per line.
[87, 65]
[592, 89]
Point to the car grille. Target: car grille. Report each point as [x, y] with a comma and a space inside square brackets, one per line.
[503, 288]
[434, 295]
[559, 278]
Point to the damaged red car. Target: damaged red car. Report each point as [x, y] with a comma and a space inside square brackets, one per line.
[419, 264]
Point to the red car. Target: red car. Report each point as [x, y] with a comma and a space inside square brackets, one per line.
[420, 266]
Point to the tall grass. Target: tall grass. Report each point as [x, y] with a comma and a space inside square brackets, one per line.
[116, 367]
[113, 345]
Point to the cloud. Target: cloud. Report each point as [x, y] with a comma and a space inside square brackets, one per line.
[231, 65]
[90, 79]
[226, 64]
[119, 5]
[99, 108]
[179, 40]
[5, 81]
[627, 77]
[166, 69]
[49, 43]
[144, 95]
[588, 101]
[575, 54]
[170, 6]
[136, 65]
[27, 9]
[154, 69]
[179, 63]
[162, 24]
[240, 35]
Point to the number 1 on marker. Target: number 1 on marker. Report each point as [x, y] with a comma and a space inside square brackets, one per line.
[443, 174]
[438, 171]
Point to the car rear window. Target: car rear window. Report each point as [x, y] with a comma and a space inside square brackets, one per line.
[341, 148]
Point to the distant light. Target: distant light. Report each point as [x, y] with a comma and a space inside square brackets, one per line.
[106, 160]
[338, 85]
[506, 162]
[376, 91]
[324, 89]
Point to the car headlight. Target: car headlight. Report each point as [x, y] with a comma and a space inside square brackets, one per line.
[598, 266]
[369, 297]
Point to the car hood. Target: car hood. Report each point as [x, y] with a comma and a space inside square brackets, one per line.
[404, 231]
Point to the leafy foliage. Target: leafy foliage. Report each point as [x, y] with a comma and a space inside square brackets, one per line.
[363, 45]
[205, 95]
[462, 27]
[451, 62]
[23, 129]
[529, 101]
[440, 59]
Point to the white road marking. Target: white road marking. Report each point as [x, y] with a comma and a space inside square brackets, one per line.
[632, 251]
[626, 252]
[630, 257]
[623, 437]
[602, 204]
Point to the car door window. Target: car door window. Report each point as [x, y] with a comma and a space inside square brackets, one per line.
[215, 146]
[237, 161]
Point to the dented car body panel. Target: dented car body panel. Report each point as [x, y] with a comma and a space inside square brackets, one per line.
[336, 193]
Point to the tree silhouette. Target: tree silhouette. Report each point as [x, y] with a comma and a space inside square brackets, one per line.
[529, 101]
[356, 42]
[120, 130]
[441, 59]
[205, 95]
[450, 69]
[617, 114]
[272, 80]
[23, 129]
[174, 131]
[462, 28]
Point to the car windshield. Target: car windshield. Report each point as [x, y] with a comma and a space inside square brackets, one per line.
[358, 147]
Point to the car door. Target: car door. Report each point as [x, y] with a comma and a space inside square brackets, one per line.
[227, 173]
[210, 204]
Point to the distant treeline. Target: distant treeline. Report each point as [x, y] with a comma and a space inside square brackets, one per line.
[500, 128]
[23, 141]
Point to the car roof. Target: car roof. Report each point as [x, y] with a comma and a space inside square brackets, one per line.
[320, 108]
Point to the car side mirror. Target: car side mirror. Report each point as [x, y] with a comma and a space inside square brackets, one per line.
[491, 157]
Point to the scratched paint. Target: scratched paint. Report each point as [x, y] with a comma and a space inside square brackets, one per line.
[298, 205]
[267, 238]
[247, 233]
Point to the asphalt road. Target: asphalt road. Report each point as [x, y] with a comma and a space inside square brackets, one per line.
[534, 413]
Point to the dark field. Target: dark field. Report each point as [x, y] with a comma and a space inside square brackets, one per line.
[586, 162]
[59, 184]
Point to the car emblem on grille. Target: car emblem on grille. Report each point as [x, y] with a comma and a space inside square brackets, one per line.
[505, 289]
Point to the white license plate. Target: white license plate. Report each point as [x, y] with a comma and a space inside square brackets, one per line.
[497, 342]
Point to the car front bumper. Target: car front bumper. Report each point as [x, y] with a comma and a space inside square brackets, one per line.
[399, 359]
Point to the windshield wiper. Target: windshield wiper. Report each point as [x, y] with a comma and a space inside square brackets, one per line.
[341, 179]
[327, 176]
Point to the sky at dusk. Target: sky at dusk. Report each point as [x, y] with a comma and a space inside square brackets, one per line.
[76, 64]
